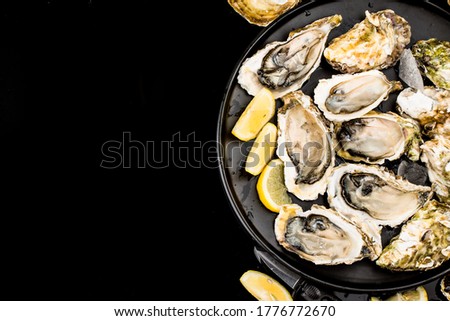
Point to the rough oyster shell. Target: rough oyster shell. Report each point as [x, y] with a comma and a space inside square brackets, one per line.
[349, 96]
[284, 66]
[305, 146]
[423, 242]
[375, 43]
[371, 193]
[377, 137]
[431, 108]
[262, 12]
[321, 235]
[436, 156]
[433, 58]
[445, 283]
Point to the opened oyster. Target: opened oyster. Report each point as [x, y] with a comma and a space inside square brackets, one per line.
[433, 58]
[372, 193]
[376, 137]
[345, 97]
[430, 107]
[283, 66]
[321, 235]
[305, 146]
[423, 242]
[375, 43]
[262, 12]
[436, 156]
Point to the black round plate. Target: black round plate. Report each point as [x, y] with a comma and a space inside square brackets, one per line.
[426, 21]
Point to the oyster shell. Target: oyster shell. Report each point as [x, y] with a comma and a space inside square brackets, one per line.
[349, 96]
[304, 145]
[423, 242]
[262, 12]
[283, 66]
[376, 137]
[433, 58]
[374, 43]
[436, 156]
[431, 108]
[372, 193]
[321, 235]
[445, 285]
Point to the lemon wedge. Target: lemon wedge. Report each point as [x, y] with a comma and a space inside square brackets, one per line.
[417, 294]
[257, 113]
[263, 287]
[262, 149]
[270, 186]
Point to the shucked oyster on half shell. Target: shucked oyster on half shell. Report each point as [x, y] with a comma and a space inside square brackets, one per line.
[348, 96]
[323, 236]
[262, 12]
[304, 145]
[377, 137]
[375, 43]
[371, 193]
[284, 66]
[433, 58]
[423, 242]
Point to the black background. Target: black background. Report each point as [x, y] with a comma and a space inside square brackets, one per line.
[75, 75]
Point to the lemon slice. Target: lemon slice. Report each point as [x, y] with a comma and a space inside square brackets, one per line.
[263, 287]
[417, 294]
[257, 113]
[270, 186]
[262, 149]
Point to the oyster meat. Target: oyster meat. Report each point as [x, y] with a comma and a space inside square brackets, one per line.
[349, 96]
[423, 242]
[376, 137]
[305, 146]
[284, 66]
[374, 43]
[322, 236]
[372, 193]
[433, 58]
[436, 156]
[262, 12]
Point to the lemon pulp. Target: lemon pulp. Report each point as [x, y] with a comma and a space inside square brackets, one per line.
[417, 294]
[262, 149]
[256, 114]
[271, 188]
[263, 287]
